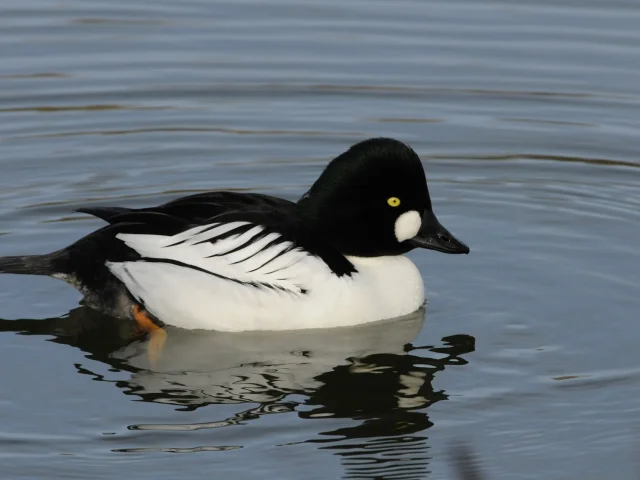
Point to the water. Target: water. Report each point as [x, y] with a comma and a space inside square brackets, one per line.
[526, 115]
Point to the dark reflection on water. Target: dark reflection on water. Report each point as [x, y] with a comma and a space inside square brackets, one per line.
[386, 393]
[370, 374]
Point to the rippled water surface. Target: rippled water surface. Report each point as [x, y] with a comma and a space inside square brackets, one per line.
[526, 114]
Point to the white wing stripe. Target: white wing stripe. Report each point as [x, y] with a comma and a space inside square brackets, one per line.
[227, 247]
[280, 262]
[264, 258]
[202, 233]
[281, 269]
[189, 233]
[253, 250]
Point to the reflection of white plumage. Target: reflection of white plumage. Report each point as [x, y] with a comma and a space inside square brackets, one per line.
[260, 366]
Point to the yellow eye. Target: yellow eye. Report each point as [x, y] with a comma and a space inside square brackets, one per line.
[393, 201]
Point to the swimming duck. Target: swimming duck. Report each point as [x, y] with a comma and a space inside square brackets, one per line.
[234, 261]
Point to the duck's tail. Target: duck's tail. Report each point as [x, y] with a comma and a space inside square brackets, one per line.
[30, 264]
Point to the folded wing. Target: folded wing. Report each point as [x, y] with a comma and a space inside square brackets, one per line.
[233, 275]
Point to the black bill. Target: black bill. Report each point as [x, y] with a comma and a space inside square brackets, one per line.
[434, 236]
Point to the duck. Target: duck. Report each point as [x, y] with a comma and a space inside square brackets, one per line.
[232, 261]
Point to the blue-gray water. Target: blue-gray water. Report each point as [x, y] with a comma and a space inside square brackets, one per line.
[526, 114]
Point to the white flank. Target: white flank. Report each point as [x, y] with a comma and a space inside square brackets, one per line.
[238, 292]
[407, 225]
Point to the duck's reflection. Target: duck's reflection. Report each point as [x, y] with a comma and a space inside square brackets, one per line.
[370, 374]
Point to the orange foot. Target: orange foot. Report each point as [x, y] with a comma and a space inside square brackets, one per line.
[157, 334]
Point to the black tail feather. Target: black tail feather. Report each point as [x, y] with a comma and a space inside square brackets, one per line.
[29, 265]
[104, 213]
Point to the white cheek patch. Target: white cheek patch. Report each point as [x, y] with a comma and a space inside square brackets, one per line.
[407, 225]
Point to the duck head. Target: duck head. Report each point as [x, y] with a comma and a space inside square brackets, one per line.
[373, 200]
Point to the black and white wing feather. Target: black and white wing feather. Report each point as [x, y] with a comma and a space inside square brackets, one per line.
[238, 252]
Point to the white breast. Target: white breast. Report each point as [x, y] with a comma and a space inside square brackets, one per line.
[294, 291]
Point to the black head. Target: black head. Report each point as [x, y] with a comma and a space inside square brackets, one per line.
[373, 200]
